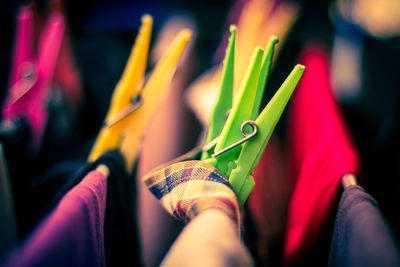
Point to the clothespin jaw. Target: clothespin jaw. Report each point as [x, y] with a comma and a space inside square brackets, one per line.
[234, 155]
[154, 90]
[32, 75]
[264, 73]
[241, 177]
[241, 111]
[225, 95]
[132, 104]
[23, 43]
[111, 133]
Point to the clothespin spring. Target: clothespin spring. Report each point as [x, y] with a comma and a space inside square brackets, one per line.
[134, 104]
[247, 136]
[27, 81]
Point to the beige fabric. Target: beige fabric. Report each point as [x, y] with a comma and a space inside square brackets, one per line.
[210, 239]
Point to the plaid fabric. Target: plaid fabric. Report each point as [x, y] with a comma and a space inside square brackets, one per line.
[187, 188]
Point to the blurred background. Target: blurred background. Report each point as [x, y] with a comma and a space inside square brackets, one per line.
[362, 37]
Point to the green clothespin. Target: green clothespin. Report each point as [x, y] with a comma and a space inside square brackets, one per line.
[233, 155]
[225, 95]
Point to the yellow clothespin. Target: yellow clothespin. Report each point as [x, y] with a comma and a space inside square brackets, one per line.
[133, 103]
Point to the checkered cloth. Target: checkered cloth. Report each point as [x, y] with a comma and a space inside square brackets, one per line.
[185, 189]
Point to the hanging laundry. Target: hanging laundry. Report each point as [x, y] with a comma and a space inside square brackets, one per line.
[321, 153]
[121, 238]
[210, 239]
[188, 191]
[187, 188]
[72, 235]
[268, 205]
[120, 226]
[117, 222]
[361, 236]
[82, 204]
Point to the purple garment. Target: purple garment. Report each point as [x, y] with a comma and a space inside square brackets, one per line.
[73, 234]
[361, 236]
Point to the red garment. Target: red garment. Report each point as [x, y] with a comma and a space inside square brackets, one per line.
[268, 203]
[321, 153]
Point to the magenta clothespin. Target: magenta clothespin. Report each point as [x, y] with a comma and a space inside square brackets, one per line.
[32, 74]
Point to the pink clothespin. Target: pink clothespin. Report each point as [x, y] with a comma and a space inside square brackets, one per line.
[32, 72]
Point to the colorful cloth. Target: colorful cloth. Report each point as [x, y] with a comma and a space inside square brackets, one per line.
[120, 228]
[321, 153]
[187, 188]
[268, 206]
[73, 234]
[361, 236]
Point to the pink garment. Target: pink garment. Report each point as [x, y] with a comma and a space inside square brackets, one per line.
[321, 153]
[73, 234]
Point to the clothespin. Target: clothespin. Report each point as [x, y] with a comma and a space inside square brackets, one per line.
[234, 155]
[32, 74]
[133, 103]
